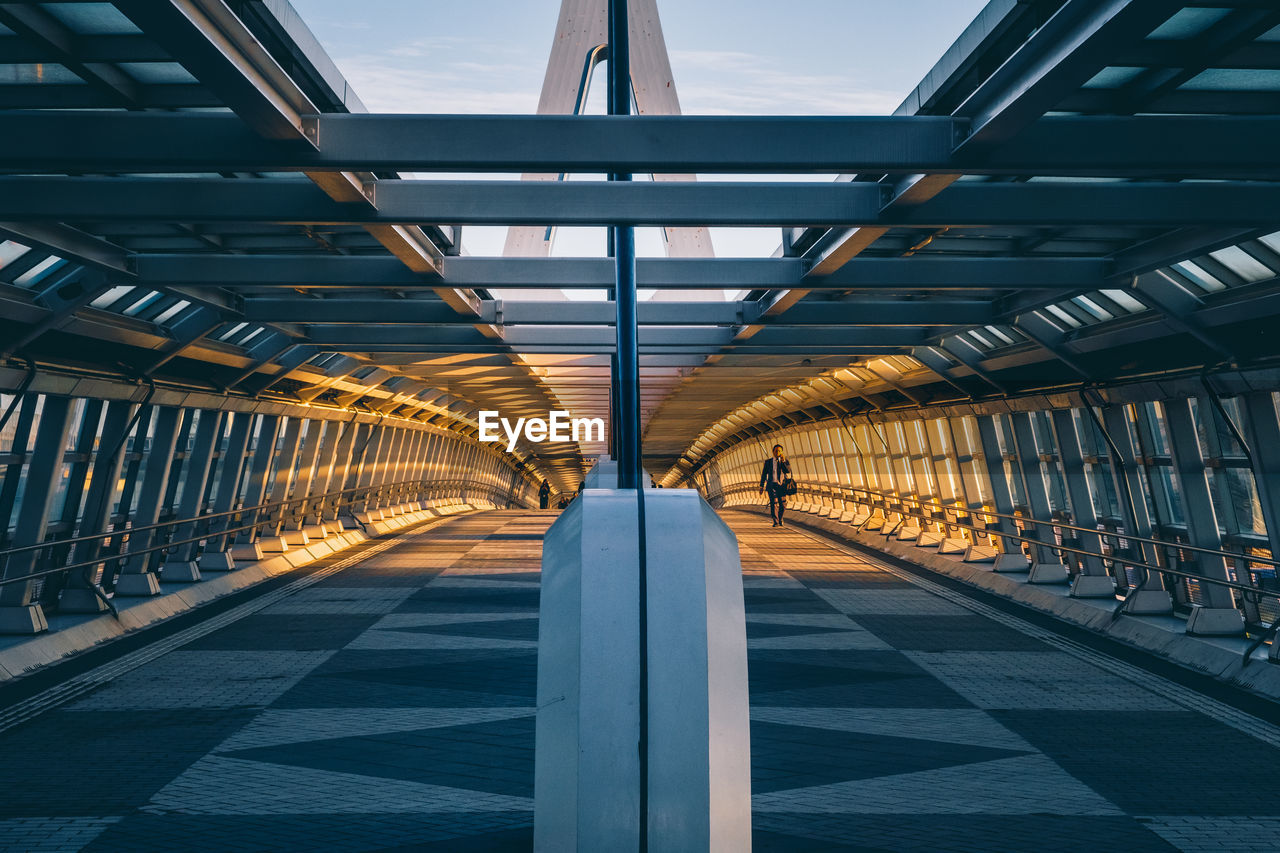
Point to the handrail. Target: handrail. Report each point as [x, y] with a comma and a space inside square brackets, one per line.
[265, 514]
[215, 515]
[1026, 519]
[1243, 588]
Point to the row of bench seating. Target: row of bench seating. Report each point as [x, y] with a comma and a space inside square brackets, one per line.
[391, 518]
[862, 519]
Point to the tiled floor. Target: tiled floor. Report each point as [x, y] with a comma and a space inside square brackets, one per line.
[390, 707]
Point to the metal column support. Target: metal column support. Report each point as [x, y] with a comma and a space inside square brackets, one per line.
[285, 462]
[384, 466]
[180, 564]
[339, 466]
[423, 472]
[1262, 431]
[627, 383]
[395, 462]
[136, 577]
[303, 484]
[1033, 480]
[1001, 496]
[413, 461]
[1202, 522]
[78, 474]
[1128, 475]
[1082, 510]
[231, 469]
[364, 462]
[259, 467]
[18, 615]
[78, 595]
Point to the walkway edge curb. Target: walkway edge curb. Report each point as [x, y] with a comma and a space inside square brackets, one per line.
[1220, 659]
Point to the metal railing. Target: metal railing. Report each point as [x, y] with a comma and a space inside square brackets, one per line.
[101, 558]
[1260, 604]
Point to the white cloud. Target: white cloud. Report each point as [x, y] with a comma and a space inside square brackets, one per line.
[388, 84]
[723, 82]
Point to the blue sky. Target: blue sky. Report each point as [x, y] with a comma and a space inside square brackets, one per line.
[729, 56]
[807, 57]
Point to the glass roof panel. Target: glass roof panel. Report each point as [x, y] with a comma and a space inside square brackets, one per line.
[232, 331]
[1188, 23]
[1063, 317]
[1094, 308]
[109, 298]
[986, 344]
[1242, 264]
[1113, 77]
[99, 19]
[1198, 275]
[1272, 34]
[1234, 80]
[1125, 300]
[141, 304]
[157, 72]
[39, 271]
[1000, 335]
[9, 251]
[1271, 241]
[27, 73]
[169, 313]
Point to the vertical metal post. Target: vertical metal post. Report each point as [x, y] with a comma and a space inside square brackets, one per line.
[627, 370]
[1202, 519]
[286, 461]
[1262, 429]
[1001, 494]
[96, 516]
[627, 428]
[197, 472]
[1024, 442]
[259, 466]
[151, 501]
[1126, 471]
[304, 482]
[1083, 513]
[41, 478]
[231, 470]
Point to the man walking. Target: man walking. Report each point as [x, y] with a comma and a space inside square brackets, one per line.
[773, 478]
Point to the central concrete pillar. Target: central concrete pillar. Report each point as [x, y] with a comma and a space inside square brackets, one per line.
[588, 773]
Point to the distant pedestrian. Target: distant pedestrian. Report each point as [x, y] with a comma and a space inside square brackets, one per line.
[544, 495]
[775, 478]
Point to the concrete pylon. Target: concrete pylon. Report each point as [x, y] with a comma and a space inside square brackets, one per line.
[582, 27]
[588, 776]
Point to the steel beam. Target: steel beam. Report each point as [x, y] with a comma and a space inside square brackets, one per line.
[70, 243]
[866, 312]
[295, 201]
[351, 271]
[355, 337]
[1100, 146]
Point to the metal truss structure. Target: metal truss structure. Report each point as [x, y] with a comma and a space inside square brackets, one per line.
[1081, 193]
